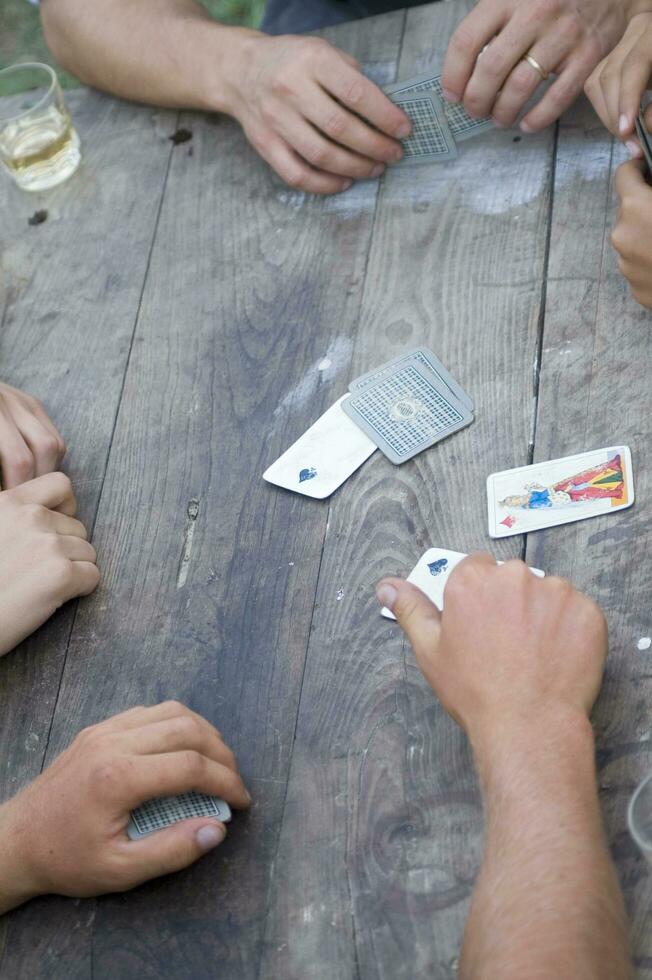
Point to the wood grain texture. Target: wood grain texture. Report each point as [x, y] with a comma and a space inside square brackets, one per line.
[594, 391]
[209, 573]
[69, 295]
[382, 832]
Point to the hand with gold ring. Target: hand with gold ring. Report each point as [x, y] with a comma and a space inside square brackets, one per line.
[528, 41]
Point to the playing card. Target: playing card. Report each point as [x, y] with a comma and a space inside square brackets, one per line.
[407, 411]
[431, 139]
[644, 140]
[432, 571]
[559, 491]
[462, 125]
[324, 457]
[420, 355]
[166, 810]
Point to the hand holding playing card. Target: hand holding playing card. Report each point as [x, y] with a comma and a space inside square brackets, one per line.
[66, 832]
[619, 82]
[313, 116]
[509, 647]
[561, 36]
[632, 233]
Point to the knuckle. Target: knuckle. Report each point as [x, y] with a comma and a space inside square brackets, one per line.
[354, 93]
[61, 483]
[34, 514]
[282, 83]
[335, 125]
[172, 705]
[294, 177]
[111, 774]
[23, 464]
[48, 444]
[61, 573]
[195, 763]
[464, 40]
[521, 81]
[318, 154]
[188, 728]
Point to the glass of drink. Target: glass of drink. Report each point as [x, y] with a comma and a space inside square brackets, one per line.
[39, 147]
[639, 817]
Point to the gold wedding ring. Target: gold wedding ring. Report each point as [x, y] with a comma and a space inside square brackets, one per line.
[537, 67]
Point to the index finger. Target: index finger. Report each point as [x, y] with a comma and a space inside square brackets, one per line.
[475, 31]
[173, 773]
[53, 490]
[353, 90]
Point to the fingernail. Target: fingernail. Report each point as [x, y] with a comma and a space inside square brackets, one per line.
[386, 595]
[450, 96]
[248, 795]
[633, 147]
[210, 836]
[347, 184]
[403, 130]
[623, 123]
[525, 128]
[378, 170]
[398, 153]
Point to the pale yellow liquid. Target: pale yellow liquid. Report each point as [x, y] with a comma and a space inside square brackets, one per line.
[41, 150]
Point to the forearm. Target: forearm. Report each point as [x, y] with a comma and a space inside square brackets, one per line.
[164, 52]
[547, 904]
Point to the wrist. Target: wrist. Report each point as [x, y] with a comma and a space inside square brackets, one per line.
[18, 878]
[560, 735]
[229, 55]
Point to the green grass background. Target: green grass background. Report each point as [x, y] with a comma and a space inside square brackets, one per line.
[21, 38]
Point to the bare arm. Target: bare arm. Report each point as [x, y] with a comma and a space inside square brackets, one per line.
[306, 107]
[518, 662]
[547, 902]
[166, 52]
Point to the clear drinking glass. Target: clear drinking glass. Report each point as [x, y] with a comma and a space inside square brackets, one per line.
[39, 147]
[639, 817]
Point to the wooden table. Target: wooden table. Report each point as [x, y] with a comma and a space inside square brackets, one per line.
[173, 313]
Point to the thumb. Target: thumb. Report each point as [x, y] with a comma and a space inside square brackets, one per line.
[417, 616]
[174, 848]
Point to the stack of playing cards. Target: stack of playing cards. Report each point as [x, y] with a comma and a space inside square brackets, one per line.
[401, 408]
[157, 814]
[644, 138]
[437, 125]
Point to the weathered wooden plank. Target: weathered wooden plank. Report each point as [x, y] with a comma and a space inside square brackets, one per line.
[382, 832]
[594, 391]
[69, 294]
[249, 288]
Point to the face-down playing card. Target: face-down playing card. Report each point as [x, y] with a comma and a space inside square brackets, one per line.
[432, 571]
[461, 124]
[164, 811]
[407, 411]
[323, 457]
[422, 356]
[431, 140]
[559, 491]
[644, 140]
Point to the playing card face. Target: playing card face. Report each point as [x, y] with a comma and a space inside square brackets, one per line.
[407, 411]
[559, 491]
[420, 355]
[431, 140]
[324, 457]
[461, 124]
[432, 571]
[166, 810]
[644, 140]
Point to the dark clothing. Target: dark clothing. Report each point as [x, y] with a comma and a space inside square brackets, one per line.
[297, 16]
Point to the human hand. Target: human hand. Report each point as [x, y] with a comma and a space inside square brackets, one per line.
[508, 648]
[312, 115]
[30, 445]
[567, 37]
[45, 559]
[66, 833]
[632, 233]
[617, 85]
